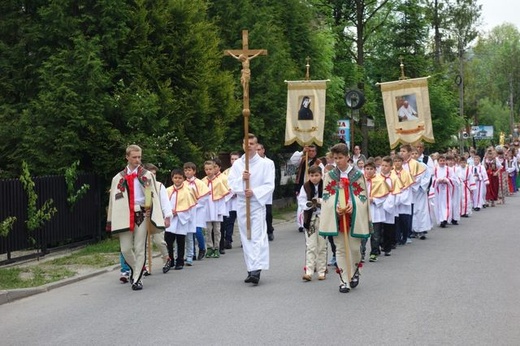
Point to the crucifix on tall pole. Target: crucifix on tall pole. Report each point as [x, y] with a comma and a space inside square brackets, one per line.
[245, 55]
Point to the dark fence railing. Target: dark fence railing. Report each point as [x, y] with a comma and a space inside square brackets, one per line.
[70, 224]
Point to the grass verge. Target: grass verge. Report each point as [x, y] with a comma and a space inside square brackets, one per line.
[37, 273]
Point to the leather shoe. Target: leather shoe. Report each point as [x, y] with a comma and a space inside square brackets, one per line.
[355, 281]
[343, 288]
[270, 236]
[167, 266]
[248, 279]
[137, 286]
[255, 277]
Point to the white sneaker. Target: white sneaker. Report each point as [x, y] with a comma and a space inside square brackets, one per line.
[408, 241]
[125, 277]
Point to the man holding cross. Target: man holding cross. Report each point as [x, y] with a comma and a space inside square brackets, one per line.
[261, 185]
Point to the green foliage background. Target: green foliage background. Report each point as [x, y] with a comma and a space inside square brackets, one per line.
[80, 80]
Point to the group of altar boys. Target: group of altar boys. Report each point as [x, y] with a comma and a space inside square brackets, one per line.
[407, 192]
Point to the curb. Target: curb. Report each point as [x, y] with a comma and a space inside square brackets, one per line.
[9, 296]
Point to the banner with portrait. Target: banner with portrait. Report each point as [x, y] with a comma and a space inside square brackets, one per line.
[305, 112]
[407, 111]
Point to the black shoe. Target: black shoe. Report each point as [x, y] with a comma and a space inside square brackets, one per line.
[270, 236]
[222, 251]
[248, 279]
[388, 254]
[228, 245]
[455, 222]
[202, 254]
[355, 281]
[343, 288]
[465, 215]
[178, 267]
[476, 209]
[255, 277]
[167, 266]
[300, 229]
[137, 286]
[146, 272]
[422, 237]
[443, 224]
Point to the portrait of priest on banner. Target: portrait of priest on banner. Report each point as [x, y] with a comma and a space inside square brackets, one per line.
[305, 112]
[406, 108]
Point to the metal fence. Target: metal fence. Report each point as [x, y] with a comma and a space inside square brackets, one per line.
[70, 224]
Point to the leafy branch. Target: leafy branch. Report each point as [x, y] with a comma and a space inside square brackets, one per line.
[36, 218]
[6, 226]
[71, 175]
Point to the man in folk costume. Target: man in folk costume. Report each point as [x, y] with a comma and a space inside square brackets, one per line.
[442, 191]
[261, 177]
[422, 222]
[126, 213]
[298, 159]
[468, 186]
[481, 180]
[182, 203]
[345, 214]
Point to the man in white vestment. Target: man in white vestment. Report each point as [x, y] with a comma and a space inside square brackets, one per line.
[261, 177]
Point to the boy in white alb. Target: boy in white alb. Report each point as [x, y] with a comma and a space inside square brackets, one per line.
[215, 208]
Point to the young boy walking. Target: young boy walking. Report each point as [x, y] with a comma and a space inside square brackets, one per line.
[309, 200]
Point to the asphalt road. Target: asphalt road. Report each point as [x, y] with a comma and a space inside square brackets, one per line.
[461, 286]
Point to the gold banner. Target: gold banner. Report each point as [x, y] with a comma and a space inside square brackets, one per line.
[407, 111]
[305, 112]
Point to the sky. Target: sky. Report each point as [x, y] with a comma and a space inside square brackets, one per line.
[497, 12]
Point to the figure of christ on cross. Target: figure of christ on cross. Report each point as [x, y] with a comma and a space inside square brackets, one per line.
[245, 55]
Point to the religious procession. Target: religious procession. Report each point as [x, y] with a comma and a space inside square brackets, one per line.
[361, 207]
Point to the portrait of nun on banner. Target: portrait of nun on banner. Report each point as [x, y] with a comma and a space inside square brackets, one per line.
[305, 112]
[407, 111]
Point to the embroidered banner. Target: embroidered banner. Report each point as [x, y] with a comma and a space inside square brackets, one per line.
[407, 111]
[305, 112]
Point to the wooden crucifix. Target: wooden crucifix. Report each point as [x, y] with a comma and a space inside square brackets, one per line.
[245, 55]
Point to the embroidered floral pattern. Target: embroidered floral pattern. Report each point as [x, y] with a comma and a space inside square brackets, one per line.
[357, 189]
[330, 189]
[121, 186]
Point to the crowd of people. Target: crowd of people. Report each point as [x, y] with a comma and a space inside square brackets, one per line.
[349, 202]
[193, 213]
[388, 201]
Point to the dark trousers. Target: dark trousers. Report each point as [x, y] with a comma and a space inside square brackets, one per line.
[171, 238]
[228, 225]
[332, 245]
[388, 236]
[269, 218]
[375, 238]
[403, 225]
